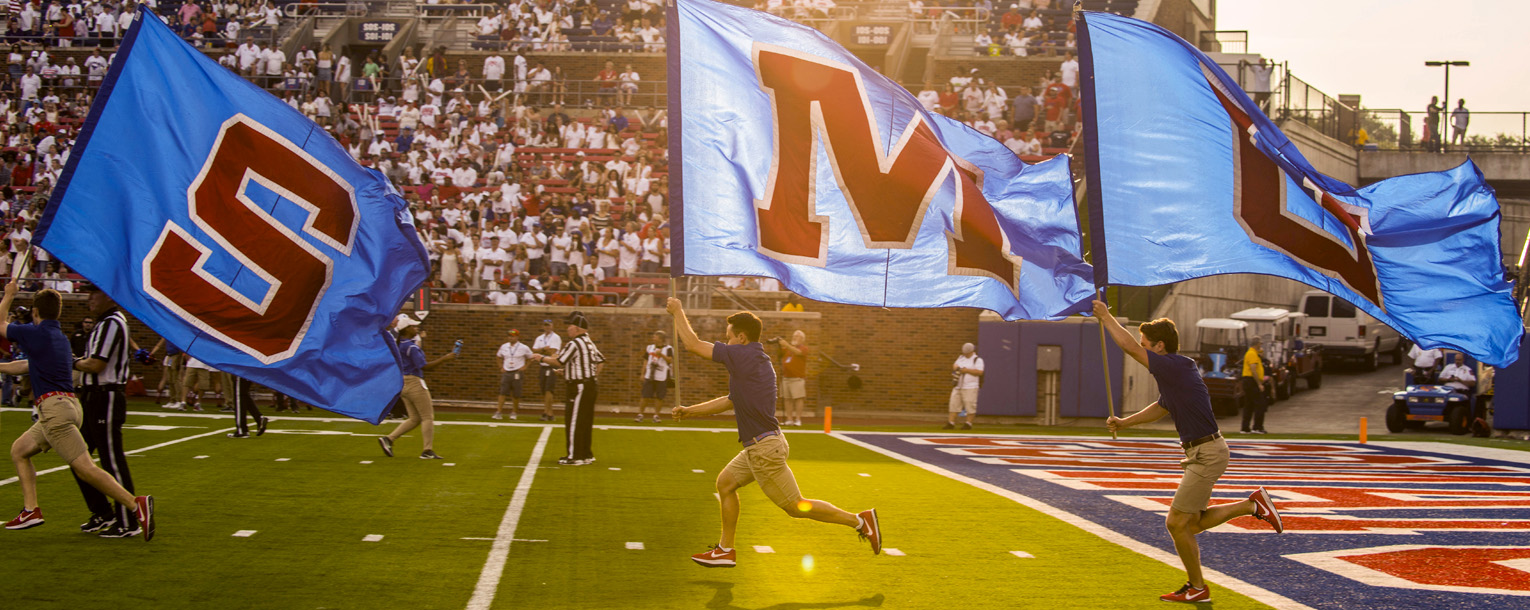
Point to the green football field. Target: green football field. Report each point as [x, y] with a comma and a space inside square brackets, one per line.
[313, 496]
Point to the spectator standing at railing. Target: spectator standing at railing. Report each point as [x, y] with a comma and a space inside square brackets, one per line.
[1459, 119]
[493, 72]
[1432, 124]
[249, 54]
[631, 250]
[1069, 71]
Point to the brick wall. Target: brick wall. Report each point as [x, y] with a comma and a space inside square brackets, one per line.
[904, 355]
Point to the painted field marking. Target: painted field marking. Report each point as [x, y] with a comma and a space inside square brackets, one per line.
[366, 461]
[1022, 554]
[1261, 594]
[864, 474]
[283, 459]
[614, 468]
[698, 471]
[133, 452]
[715, 495]
[763, 549]
[494, 566]
[372, 538]
[244, 533]
[893, 552]
[449, 464]
[200, 457]
[634, 546]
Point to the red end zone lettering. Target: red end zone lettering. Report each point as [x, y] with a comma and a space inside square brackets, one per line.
[1462, 569]
[298, 273]
[815, 100]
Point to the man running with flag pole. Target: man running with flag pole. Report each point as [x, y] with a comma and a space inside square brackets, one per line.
[752, 398]
[1184, 396]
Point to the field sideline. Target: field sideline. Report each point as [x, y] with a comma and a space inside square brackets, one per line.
[613, 534]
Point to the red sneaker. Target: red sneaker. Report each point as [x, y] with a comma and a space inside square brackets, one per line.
[871, 530]
[146, 520]
[1264, 509]
[715, 557]
[1188, 593]
[27, 519]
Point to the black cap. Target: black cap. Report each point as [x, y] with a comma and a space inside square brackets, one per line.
[577, 319]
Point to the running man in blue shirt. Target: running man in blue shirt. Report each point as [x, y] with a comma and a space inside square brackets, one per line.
[49, 364]
[752, 397]
[1183, 395]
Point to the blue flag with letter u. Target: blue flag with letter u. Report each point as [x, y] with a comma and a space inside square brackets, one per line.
[1189, 179]
[236, 228]
[797, 161]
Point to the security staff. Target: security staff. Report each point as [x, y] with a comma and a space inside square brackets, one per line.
[581, 362]
[104, 373]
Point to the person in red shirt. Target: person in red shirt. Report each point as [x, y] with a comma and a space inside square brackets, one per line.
[1056, 100]
[794, 357]
[608, 79]
[949, 100]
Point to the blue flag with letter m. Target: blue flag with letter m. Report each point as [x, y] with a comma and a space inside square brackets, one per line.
[236, 228]
[798, 161]
[1189, 179]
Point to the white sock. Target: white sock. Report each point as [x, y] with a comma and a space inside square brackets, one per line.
[725, 550]
[860, 522]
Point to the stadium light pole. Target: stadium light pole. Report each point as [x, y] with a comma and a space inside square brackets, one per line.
[1447, 64]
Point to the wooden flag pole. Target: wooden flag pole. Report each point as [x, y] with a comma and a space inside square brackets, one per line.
[1110, 400]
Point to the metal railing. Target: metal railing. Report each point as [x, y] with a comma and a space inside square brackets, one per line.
[300, 9]
[1394, 129]
[1224, 41]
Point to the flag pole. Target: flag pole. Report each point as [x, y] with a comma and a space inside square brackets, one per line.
[1110, 400]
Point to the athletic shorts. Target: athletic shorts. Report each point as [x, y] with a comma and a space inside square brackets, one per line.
[510, 383]
[58, 427]
[549, 380]
[653, 388]
[963, 399]
[765, 462]
[1203, 464]
[793, 387]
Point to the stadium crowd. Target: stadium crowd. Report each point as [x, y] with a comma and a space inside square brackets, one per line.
[519, 198]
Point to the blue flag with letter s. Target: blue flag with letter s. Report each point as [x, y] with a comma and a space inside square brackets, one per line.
[1189, 179]
[799, 162]
[236, 228]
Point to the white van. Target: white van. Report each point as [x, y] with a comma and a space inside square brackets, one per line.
[1346, 332]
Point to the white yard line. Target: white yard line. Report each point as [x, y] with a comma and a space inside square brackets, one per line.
[1260, 594]
[133, 452]
[494, 567]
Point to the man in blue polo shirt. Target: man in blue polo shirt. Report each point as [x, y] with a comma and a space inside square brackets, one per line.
[49, 364]
[752, 397]
[1183, 395]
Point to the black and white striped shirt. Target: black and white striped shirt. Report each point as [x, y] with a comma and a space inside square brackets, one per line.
[579, 357]
[109, 342]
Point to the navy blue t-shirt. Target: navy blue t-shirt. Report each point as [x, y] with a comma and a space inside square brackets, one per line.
[751, 387]
[412, 358]
[1182, 393]
[49, 361]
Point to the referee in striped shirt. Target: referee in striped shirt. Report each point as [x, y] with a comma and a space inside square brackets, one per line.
[581, 362]
[104, 402]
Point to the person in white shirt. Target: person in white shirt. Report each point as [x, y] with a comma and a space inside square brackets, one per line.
[493, 72]
[929, 97]
[631, 249]
[547, 344]
[653, 254]
[1423, 364]
[657, 358]
[464, 176]
[491, 261]
[967, 373]
[512, 355]
[628, 86]
[560, 251]
[248, 53]
[536, 248]
[1458, 376]
[1069, 71]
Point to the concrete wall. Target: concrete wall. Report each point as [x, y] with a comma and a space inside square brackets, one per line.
[1328, 155]
[1381, 164]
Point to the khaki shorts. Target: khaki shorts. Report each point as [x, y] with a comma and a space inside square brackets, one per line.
[793, 387]
[963, 399]
[197, 379]
[765, 462]
[58, 427]
[417, 399]
[1203, 465]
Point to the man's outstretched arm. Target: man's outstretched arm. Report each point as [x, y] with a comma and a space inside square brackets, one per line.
[710, 407]
[1118, 333]
[685, 334]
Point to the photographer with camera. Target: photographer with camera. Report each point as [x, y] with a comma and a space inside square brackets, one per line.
[967, 377]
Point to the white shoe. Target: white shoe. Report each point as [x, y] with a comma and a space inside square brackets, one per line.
[656, 418]
[498, 416]
[639, 418]
[512, 416]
